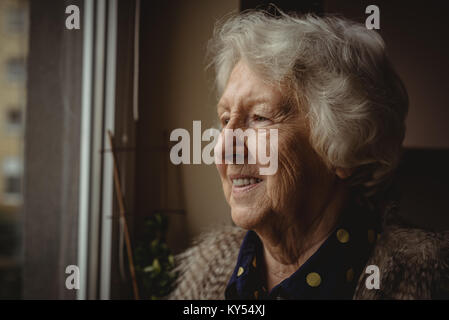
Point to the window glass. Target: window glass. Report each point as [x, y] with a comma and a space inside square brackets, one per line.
[13, 120]
[13, 53]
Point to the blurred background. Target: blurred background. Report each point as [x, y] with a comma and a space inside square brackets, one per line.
[14, 20]
[137, 69]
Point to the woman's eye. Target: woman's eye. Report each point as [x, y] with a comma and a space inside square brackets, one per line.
[260, 118]
[225, 121]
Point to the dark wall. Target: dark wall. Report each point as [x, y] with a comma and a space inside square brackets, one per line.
[124, 143]
[423, 181]
[312, 6]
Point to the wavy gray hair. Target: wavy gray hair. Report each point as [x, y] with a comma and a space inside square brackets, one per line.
[338, 71]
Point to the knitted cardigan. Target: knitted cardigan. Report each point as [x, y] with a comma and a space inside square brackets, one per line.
[413, 264]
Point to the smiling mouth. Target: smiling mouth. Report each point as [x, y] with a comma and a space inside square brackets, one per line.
[244, 183]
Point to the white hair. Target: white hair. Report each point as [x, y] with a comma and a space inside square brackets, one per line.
[338, 70]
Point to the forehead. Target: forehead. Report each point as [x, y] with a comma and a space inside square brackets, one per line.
[246, 88]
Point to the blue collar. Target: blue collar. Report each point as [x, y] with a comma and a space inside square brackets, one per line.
[331, 272]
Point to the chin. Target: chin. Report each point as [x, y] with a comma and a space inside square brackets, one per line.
[247, 218]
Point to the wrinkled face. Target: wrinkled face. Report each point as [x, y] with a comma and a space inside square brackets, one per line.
[281, 198]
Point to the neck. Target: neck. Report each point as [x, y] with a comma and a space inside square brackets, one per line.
[289, 243]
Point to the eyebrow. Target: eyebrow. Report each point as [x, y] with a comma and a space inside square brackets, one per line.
[253, 102]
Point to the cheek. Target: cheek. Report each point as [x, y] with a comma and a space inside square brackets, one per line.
[286, 185]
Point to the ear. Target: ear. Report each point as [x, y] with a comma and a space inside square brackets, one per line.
[344, 173]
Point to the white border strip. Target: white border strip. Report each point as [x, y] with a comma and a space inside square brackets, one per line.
[108, 183]
[86, 111]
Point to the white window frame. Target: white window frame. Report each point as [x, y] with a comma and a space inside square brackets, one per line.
[96, 168]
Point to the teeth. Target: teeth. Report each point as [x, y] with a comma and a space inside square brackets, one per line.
[245, 181]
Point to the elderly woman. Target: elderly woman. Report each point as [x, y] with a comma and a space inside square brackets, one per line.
[320, 227]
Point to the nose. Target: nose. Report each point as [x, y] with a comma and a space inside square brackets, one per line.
[231, 147]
